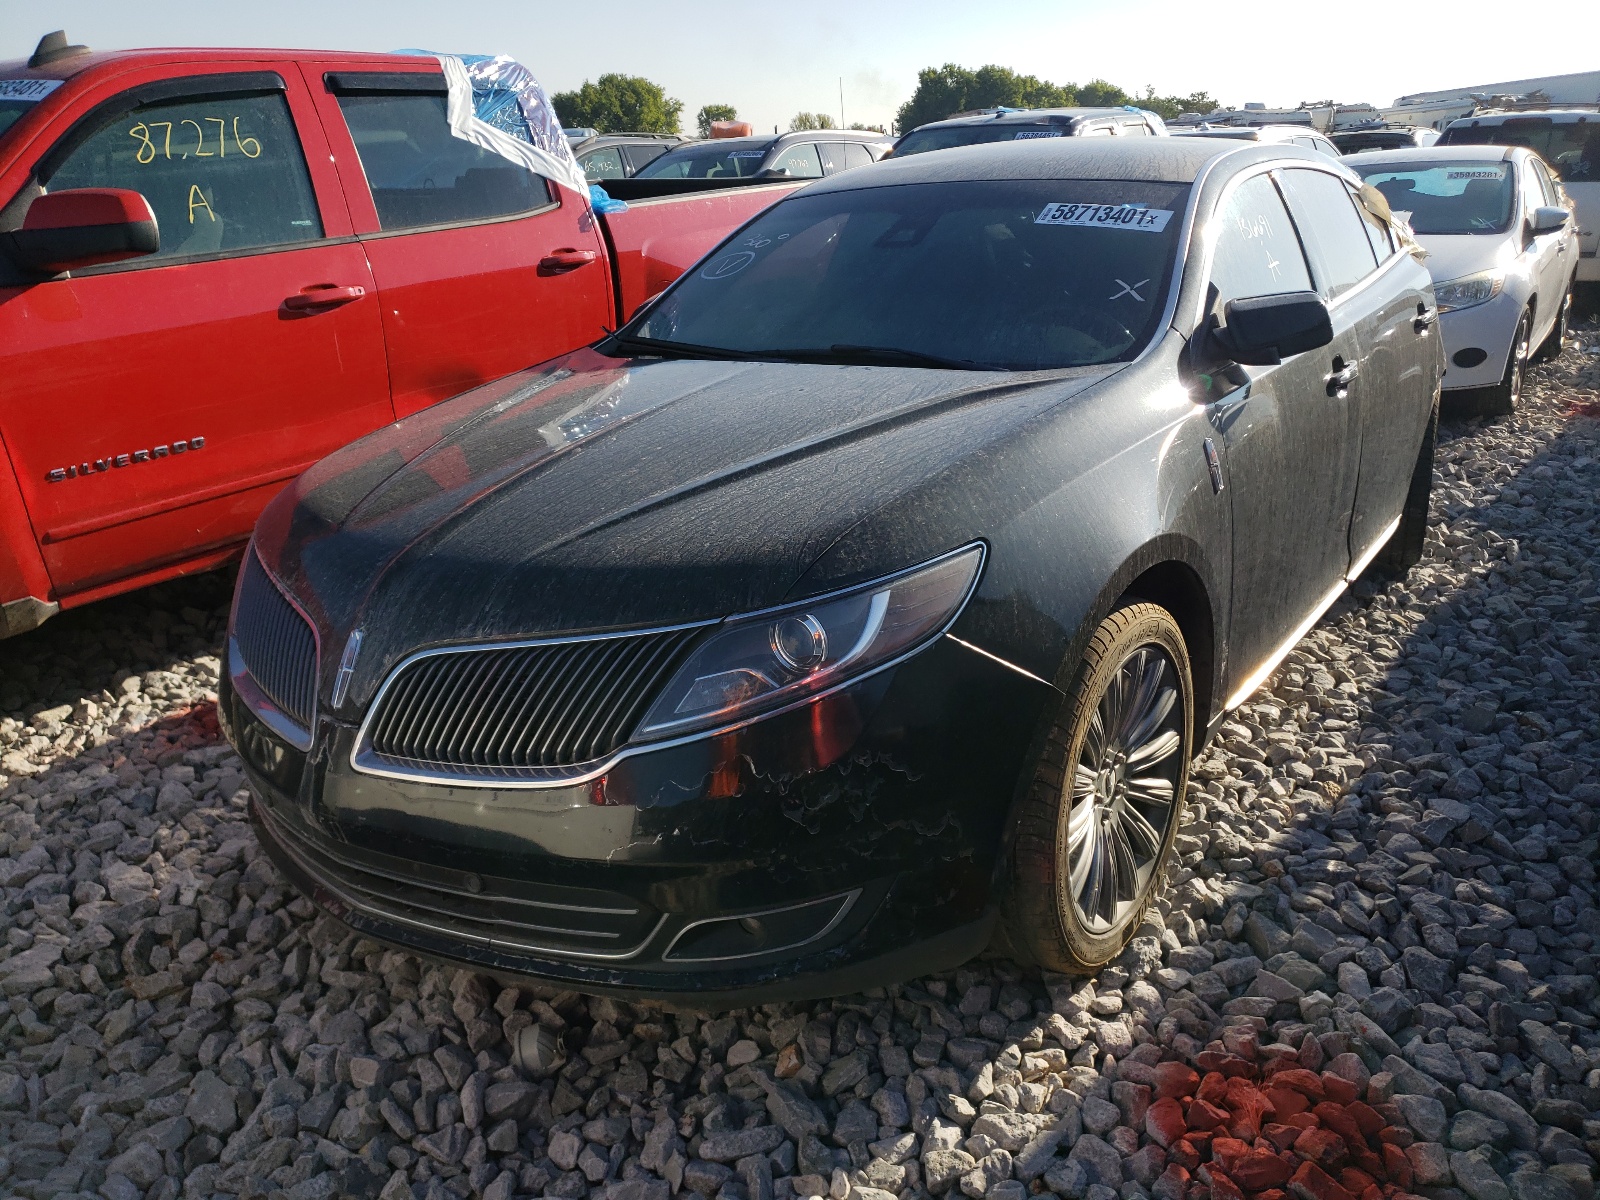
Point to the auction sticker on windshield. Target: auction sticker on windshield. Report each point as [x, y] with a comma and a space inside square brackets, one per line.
[27, 89]
[1036, 133]
[1105, 216]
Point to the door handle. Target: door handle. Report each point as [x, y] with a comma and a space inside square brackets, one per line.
[559, 262]
[1425, 318]
[1339, 382]
[323, 295]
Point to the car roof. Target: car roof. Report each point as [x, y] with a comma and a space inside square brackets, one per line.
[1499, 118]
[739, 143]
[830, 135]
[1166, 160]
[617, 139]
[1436, 153]
[1247, 133]
[1031, 116]
[113, 61]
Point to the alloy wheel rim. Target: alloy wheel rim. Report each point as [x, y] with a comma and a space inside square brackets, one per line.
[1124, 790]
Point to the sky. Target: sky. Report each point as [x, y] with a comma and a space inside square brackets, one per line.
[772, 62]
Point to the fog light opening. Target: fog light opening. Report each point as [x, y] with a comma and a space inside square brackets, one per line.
[1471, 356]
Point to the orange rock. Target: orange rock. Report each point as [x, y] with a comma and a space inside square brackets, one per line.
[1397, 1166]
[1338, 1089]
[789, 1062]
[1365, 1116]
[1213, 1088]
[1286, 1101]
[1281, 1136]
[1164, 1122]
[1303, 1121]
[1308, 1083]
[1323, 1147]
[1311, 1182]
[1174, 1079]
[1207, 1116]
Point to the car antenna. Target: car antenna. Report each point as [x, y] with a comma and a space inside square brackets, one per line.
[53, 47]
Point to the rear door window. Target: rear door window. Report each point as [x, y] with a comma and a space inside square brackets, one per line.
[1257, 251]
[222, 171]
[800, 161]
[856, 155]
[421, 174]
[1326, 215]
[605, 163]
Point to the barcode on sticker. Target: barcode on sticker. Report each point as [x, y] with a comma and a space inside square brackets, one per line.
[1036, 133]
[1487, 173]
[27, 89]
[1105, 216]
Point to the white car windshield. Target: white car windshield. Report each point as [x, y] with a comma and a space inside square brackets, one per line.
[1448, 197]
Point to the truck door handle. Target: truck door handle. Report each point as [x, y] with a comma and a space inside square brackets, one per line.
[559, 262]
[1425, 318]
[323, 295]
[1339, 382]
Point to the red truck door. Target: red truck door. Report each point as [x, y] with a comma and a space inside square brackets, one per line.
[482, 267]
[152, 407]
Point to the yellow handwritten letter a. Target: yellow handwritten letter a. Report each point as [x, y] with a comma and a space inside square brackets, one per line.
[197, 199]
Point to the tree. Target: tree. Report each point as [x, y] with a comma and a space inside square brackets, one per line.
[714, 112]
[1097, 93]
[619, 104]
[944, 91]
[866, 128]
[808, 120]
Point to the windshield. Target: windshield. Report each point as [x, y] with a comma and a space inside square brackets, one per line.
[1354, 143]
[1453, 197]
[1570, 148]
[920, 140]
[708, 162]
[11, 112]
[996, 275]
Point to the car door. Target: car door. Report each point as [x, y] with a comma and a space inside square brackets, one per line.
[482, 267]
[1289, 441]
[1547, 250]
[1387, 304]
[153, 406]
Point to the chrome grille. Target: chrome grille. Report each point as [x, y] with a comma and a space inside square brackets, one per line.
[511, 914]
[277, 646]
[511, 710]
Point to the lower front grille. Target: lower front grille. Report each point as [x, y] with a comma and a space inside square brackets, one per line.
[276, 644]
[504, 914]
[510, 711]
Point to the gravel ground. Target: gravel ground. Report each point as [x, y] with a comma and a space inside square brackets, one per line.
[1374, 971]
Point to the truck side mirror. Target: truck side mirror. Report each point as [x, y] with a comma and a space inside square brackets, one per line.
[83, 227]
[1265, 330]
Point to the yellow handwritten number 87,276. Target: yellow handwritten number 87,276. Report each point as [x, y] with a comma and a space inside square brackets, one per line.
[147, 151]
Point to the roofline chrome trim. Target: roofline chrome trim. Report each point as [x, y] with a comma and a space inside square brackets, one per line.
[849, 899]
[366, 762]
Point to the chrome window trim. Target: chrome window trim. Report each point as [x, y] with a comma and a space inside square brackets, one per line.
[364, 761]
[849, 902]
[250, 693]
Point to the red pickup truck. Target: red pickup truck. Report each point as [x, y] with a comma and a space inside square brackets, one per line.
[217, 266]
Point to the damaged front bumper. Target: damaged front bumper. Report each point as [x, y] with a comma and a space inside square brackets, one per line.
[849, 842]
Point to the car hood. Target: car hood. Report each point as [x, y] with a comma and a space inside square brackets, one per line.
[1453, 255]
[595, 493]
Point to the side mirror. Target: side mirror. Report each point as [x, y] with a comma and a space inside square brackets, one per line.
[83, 227]
[772, 173]
[1265, 330]
[1549, 219]
[634, 315]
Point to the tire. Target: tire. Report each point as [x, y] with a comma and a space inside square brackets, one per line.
[1091, 846]
[1556, 340]
[1502, 399]
[1404, 549]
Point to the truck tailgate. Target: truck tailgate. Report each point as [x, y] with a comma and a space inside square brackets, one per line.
[655, 241]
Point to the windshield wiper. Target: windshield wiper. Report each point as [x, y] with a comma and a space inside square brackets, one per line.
[670, 349]
[844, 352]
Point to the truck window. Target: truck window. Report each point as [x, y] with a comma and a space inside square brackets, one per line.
[605, 163]
[222, 172]
[421, 174]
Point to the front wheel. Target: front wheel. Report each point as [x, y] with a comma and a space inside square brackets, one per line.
[1502, 399]
[1096, 827]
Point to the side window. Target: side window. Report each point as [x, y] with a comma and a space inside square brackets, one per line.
[640, 155]
[605, 163]
[1325, 213]
[222, 172]
[1257, 252]
[832, 157]
[420, 174]
[856, 155]
[1135, 129]
[1546, 184]
[800, 161]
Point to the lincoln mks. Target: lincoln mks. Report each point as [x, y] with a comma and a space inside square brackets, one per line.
[861, 602]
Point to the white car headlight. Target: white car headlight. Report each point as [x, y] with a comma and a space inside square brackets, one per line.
[1469, 291]
[767, 659]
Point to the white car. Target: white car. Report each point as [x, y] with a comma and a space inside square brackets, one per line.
[1502, 249]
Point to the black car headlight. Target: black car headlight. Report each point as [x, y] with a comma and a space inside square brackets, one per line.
[768, 659]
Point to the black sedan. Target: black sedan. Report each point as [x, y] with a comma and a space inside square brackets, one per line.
[865, 598]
